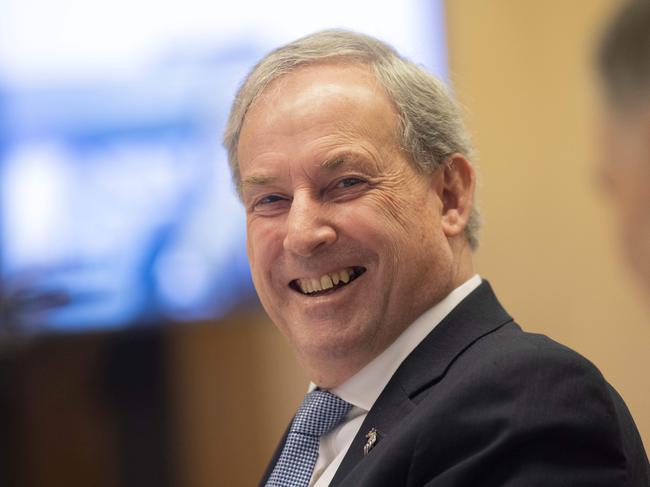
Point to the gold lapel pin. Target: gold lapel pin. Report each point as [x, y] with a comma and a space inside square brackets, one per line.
[372, 439]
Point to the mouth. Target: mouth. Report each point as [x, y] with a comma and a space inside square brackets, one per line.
[327, 283]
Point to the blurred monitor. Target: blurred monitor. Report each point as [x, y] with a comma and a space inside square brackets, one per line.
[116, 206]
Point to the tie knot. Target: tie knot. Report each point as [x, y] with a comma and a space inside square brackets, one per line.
[319, 412]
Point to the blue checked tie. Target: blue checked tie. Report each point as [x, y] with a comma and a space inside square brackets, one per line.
[319, 413]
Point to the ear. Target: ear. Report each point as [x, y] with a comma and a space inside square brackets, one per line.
[456, 190]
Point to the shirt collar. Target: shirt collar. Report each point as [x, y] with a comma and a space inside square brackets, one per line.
[363, 388]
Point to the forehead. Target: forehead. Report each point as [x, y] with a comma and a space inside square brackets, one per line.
[319, 80]
[344, 98]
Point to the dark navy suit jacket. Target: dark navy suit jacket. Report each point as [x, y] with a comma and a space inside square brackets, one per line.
[481, 403]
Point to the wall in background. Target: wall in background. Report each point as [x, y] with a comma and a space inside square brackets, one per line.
[234, 386]
[522, 70]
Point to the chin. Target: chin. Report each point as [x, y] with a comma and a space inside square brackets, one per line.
[333, 347]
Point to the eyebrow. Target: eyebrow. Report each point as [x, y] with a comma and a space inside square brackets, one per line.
[257, 180]
[341, 159]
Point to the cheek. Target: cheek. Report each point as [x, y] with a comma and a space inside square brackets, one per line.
[402, 230]
[262, 243]
[630, 178]
[405, 203]
[634, 195]
[377, 222]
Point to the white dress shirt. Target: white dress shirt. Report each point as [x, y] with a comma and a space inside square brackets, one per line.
[362, 389]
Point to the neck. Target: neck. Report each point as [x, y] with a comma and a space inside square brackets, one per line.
[334, 377]
[463, 269]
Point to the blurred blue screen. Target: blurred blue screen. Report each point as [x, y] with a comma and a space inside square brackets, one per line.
[116, 206]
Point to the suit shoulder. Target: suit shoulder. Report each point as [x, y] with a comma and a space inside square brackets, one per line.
[536, 378]
[512, 348]
[516, 398]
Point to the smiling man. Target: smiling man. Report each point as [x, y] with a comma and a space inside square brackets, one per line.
[353, 166]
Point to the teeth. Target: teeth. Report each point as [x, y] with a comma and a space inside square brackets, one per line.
[325, 282]
[315, 285]
[345, 276]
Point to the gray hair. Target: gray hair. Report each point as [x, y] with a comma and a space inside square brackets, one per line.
[623, 57]
[429, 121]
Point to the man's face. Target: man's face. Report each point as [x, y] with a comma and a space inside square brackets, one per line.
[344, 235]
[625, 169]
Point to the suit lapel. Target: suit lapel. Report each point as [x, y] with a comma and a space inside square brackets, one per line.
[392, 404]
[477, 315]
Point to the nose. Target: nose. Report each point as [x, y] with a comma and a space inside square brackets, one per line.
[308, 228]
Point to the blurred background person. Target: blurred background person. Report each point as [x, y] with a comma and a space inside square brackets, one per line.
[624, 68]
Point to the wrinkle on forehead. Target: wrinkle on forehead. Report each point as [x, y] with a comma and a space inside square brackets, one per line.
[317, 86]
[362, 72]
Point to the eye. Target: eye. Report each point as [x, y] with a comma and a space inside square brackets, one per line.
[267, 200]
[268, 203]
[346, 188]
[349, 182]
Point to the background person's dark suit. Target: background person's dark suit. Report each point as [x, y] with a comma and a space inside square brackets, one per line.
[481, 403]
